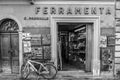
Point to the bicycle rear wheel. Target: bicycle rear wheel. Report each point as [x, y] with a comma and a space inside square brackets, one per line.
[25, 71]
[52, 71]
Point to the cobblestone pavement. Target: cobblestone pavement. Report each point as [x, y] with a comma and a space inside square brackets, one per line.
[58, 77]
[16, 77]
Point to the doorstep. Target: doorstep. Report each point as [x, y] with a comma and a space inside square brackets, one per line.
[81, 74]
[61, 75]
[8, 76]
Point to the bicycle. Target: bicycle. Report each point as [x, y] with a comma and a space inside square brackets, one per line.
[46, 70]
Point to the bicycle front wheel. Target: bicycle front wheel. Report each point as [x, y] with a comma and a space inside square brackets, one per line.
[25, 71]
[52, 71]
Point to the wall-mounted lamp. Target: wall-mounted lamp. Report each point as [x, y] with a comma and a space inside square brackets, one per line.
[32, 2]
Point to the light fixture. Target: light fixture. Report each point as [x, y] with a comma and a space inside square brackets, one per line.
[32, 2]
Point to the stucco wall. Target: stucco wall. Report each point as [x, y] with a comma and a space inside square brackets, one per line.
[22, 11]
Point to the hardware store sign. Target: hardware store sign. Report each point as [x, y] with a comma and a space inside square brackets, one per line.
[73, 10]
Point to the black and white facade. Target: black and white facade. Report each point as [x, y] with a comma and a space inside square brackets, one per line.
[76, 35]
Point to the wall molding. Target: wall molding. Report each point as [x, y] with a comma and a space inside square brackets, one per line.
[59, 2]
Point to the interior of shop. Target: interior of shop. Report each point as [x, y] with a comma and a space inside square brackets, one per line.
[72, 39]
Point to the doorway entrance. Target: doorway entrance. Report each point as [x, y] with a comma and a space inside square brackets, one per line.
[9, 46]
[75, 42]
[95, 20]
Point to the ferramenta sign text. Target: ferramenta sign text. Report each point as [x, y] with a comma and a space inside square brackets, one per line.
[73, 10]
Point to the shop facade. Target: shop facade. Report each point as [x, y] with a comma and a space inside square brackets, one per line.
[67, 33]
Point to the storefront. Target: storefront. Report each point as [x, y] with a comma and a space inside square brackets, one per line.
[75, 35]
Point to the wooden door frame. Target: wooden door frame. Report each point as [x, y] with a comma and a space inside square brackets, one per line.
[19, 34]
[96, 35]
[10, 37]
[89, 46]
[5, 35]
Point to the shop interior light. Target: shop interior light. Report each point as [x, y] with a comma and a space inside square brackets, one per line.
[79, 29]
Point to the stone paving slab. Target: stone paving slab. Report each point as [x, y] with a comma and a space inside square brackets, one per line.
[63, 78]
[58, 77]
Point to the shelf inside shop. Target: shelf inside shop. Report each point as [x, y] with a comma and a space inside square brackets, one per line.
[117, 24]
[117, 57]
[81, 38]
[117, 44]
[117, 51]
[82, 33]
[40, 45]
[117, 9]
[117, 17]
[117, 63]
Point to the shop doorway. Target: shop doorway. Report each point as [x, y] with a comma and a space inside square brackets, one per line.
[9, 46]
[75, 41]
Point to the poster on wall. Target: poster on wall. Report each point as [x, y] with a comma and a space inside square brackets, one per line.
[107, 55]
[26, 36]
[37, 52]
[103, 41]
[35, 39]
[107, 31]
[47, 52]
[46, 39]
[27, 46]
[110, 41]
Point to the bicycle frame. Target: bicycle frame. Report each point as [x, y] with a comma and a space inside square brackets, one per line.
[29, 62]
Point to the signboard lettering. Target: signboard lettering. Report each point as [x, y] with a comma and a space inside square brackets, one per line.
[93, 11]
[73, 10]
